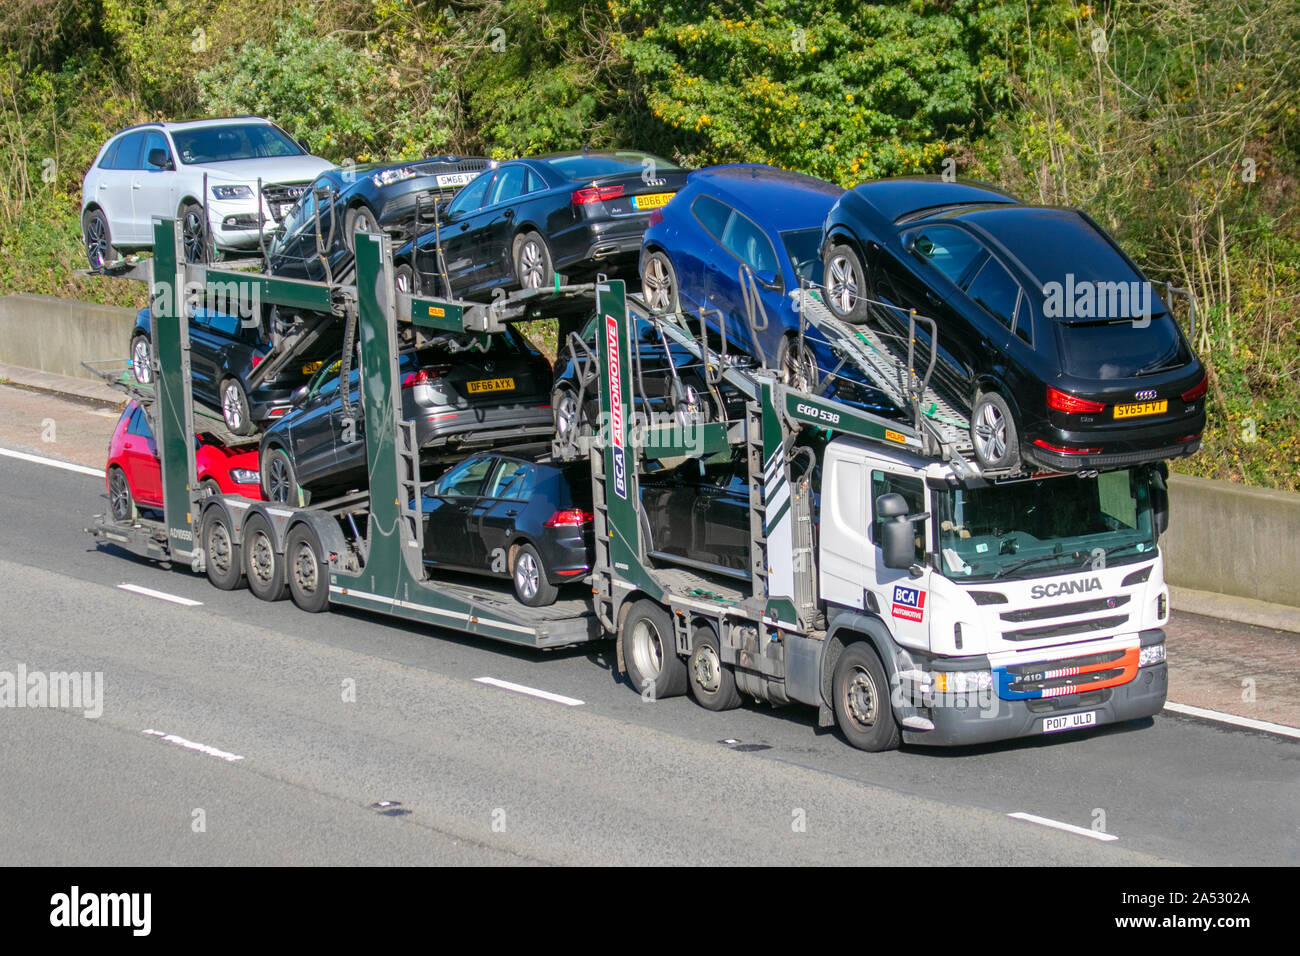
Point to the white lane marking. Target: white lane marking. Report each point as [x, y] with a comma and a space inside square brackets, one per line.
[191, 745]
[1067, 827]
[160, 595]
[52, 462]
[530, 691]
[1251, 722]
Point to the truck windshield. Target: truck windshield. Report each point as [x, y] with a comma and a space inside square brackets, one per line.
[1044, 526]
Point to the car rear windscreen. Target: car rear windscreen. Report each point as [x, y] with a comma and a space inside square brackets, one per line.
[1120, 349]
[594, 166]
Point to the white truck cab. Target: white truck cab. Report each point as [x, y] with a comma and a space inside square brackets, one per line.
[999, 608]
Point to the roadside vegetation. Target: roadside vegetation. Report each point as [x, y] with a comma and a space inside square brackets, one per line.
[1176, 123]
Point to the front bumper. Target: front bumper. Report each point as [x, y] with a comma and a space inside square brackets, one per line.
[973, 719]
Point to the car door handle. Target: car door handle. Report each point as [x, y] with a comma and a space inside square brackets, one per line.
[135, 185]
[103, 185]
[509, 214]
[512, 513]
[464, 226]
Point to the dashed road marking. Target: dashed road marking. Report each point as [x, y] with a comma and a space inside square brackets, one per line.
[52, 462]
[530, 691]
[192, 745]
[1067, 827]
[160, 595]
[1250, 722]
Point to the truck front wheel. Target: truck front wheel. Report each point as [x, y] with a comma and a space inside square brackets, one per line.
[862, 700]
[650, 652]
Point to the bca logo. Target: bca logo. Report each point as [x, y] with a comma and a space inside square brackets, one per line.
[909, 603]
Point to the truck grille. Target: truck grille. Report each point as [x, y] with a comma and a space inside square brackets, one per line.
[1072, 675]
[1064, 610]
[1066, 628]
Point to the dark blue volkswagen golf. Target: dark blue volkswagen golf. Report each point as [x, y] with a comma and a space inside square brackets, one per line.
[729, 219]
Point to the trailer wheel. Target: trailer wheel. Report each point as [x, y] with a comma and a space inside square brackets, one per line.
[309, 582]
[846, 284]
[713, 683]
[862, 700]
[120, 504]
[650, 652]
[225, 570]
[264, 568]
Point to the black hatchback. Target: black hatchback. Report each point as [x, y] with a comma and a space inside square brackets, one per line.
[576, 214]
[504, 516]
[1047, 331]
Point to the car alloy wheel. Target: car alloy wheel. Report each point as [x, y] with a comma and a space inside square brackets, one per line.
[532, 265]
[842, 285]
[119, 495]
[232, 407]
[657, 285]
[97, 244]
[279, 483]
[990, 434]
[566, 411]
[194, 235]
[528, 575]
[140, 360]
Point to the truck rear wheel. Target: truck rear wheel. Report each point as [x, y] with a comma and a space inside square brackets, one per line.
[225, 570]
[650, 652]
[264, 568]
[308, 576]
[862, 700]
[713, 683]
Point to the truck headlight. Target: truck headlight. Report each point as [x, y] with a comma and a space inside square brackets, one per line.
[244, 476]
[232, 192]
[1151, 654]
[962, 682]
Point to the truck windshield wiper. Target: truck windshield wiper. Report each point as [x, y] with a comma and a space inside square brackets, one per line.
[1017, 565]
[1113, 549]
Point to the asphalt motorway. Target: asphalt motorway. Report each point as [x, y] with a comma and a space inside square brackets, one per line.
[361, 740]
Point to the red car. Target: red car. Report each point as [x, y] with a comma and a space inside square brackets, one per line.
[133, 475]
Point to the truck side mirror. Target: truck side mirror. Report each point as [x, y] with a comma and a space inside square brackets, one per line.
[896, 536]
[1159, 501]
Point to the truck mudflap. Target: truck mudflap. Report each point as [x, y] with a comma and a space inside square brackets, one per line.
[990, 718]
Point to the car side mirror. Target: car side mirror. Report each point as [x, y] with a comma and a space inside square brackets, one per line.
[299, 396]
[909, 242]
[305, 147]
[768, 280]
[896, 535]
[159, 158]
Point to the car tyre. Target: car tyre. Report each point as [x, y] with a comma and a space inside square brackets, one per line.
[404, 280]
[659, 285]
[279, 480]
[209, 488]
[846, 284]
[196, 239]
[141, 358]
[121, 504]
[98, 240]
[993, 433]
[713, 683]
[306, 570]
[862, 700]
[263, 567]
[568, 413]
[225, 569]
[797, 364]
[358, 217]
[529, 576]
[534, 268]
[234, 407]
[650, 652]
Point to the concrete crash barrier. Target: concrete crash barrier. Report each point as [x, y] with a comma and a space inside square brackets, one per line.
[1233, 539]
[56, 335]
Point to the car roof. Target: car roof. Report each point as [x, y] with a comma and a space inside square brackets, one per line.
[195, 124]
[780, 197]
[904, 196]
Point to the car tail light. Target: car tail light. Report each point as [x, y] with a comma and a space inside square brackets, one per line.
[590, 194]
[656, 217]
[257, 360]
[570, 518]
[1190, 437]
[1066, 451]
[1197, 390]
[424, 376]
[1071, 404]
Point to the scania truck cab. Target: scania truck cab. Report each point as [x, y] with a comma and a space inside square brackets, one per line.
[1000, 608]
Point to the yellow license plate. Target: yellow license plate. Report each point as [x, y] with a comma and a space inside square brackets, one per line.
[311, 368]
[651, 200]
[1141, 408]
[491, 385]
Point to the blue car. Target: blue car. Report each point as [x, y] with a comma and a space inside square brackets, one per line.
[769, 220]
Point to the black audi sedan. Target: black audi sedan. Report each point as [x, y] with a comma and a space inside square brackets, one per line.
[503, 516]
[576, 214]
[1050, 335]
[224, 349]
[399, 199]
[462, 391]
